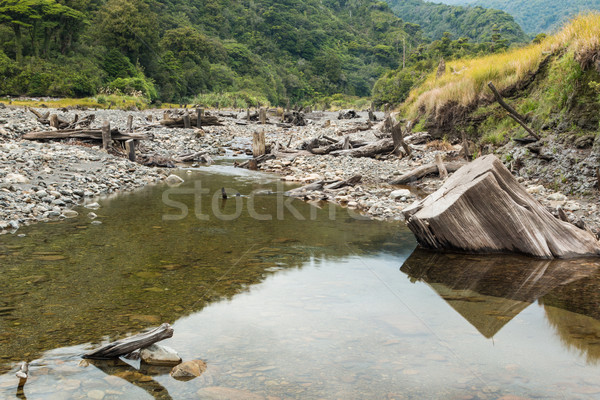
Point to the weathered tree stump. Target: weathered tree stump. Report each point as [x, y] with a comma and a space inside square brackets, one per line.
[483, 209]
[130, 148]
[130, 123]
[106, 135]
[258, 144]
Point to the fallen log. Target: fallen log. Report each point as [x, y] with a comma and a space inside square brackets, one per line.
[207, 120]
[200, 156]
[428, 169]
[132, 343]
[301, 191]
[369, 150]
[95, 134]
[340, 184]
[483, 209]
[511, 111]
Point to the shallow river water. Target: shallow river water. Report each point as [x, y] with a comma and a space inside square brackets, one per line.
[284, 299]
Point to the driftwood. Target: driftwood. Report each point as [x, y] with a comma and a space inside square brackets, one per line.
[347, 114]
[511, 111]
[398, 140]
[295, 118]
[340, 184]
[200, 156]
[178, 122]
[254, 162]
[128, 345]
[95, 134]
[428, 169]
[369, 150]
[441, 167]
[483, 209]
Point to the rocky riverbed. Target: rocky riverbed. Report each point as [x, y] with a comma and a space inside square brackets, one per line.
[45, 180]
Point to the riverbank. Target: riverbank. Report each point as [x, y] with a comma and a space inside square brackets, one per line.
[43, 180]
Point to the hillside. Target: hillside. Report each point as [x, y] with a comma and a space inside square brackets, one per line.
[476, 23]
[536, 16]
[554, 83]
[172, 50]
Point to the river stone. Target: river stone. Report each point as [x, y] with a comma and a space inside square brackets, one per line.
[16, 178]
[70, 213]
[174, 180]
[483, 209]
[92, 206]
[159, 355]
[400, 193]
[188, 370]
[557, 197]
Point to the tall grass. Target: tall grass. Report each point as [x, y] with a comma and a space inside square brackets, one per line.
[465, 81]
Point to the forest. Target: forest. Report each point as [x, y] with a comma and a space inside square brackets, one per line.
[478, 24]
[248, 52]
[536, 16]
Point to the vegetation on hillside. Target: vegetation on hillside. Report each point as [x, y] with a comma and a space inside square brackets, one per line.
[476, 24]
[553, 82]
[394, 85]
[537, 16]
[175, 50]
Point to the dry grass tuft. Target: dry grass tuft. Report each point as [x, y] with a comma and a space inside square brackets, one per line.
[441, 145]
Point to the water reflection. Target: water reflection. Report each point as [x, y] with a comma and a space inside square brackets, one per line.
[72, 282]
[490, 291]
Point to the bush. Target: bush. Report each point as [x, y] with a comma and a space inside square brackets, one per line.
[136, 87]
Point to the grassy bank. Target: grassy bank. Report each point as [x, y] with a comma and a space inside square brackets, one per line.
[558, 76]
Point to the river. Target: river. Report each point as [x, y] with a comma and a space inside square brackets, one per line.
[285, 299]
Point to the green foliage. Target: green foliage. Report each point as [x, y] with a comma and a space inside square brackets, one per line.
[134, 87]
[476, 23]
[241, 99]
[68, 77]
[541, 15]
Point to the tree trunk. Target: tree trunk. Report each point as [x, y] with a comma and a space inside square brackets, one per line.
[18, 43]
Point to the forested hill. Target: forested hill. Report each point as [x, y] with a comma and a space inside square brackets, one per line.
[476, 23]
[536, 16]
[176, 49]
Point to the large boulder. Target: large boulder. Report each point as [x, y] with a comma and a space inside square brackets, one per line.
[483, 209]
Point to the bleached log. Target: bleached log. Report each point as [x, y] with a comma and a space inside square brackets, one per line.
[483, 209]
[428, 169]
[127, 345]
[83, 134]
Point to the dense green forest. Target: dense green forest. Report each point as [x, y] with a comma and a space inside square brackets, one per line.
[248, 51]
[475, 23]
[173, 50]
[537, 16]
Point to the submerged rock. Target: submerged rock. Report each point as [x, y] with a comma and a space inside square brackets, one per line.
[159, 355]
[483, 209]
[173, 180]
[188, 370]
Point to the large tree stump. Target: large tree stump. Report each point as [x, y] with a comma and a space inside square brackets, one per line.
[258, 144]
[483, 209]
